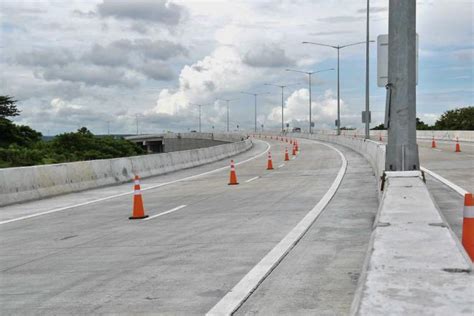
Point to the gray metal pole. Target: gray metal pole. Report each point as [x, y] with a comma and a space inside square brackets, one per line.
[309, 75]
[255, 112]
[402, 150]
[338, 97]
[227, 115]
[136, 119]
[199, 119]
[282, 109]
[367, 107]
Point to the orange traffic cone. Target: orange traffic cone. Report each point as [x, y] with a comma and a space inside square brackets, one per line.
[468, 225]
[291, 141]
[287, 157]
[233, 176]
[138, 210]
[269, 163]
[433, 143]
[458, 147]
[294, 150]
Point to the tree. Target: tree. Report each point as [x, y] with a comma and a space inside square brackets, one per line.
[8, 106]
[457, 119]
[379, 127]
[420, 125]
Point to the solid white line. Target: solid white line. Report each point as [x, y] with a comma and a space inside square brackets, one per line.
[254, 178]
[164, 213]
[445, 181]
[281, 166]
[131, 192]
[237, 296]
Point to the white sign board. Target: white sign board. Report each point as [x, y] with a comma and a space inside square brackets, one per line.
[382, 60]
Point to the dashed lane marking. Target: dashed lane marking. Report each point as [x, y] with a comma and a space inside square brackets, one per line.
[164, 213]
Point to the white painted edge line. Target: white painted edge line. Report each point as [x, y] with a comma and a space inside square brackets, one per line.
[166, 212]
[131, 192]
[247, 285]
[254, 178]
[281, 166]
[445, 181]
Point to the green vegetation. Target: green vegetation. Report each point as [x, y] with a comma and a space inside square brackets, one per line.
[461, 119]
[22, 146]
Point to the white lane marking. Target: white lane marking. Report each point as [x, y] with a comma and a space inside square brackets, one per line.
[131, 192]
[164, 213]
[237, 296]
[445, 181]
[281, 166]
[437, 149]
[254, 178]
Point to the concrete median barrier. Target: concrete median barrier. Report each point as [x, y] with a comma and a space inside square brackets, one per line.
[29, 183]
[415, 264]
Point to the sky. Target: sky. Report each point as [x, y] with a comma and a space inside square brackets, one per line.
[108, 64]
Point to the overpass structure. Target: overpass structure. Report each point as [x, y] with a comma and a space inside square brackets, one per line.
[316, 235]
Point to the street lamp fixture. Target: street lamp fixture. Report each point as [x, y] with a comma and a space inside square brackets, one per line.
[309, 73]
[282, 87]
[338, 47]
[255, 96]
[227, 101]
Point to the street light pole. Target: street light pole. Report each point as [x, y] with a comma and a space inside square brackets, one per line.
[199, 118]
[199, 105]
[309, 73]
[338, 47]
[402, 150]
[367, 107]
[136, 119]
[227, 101]
[255, 96]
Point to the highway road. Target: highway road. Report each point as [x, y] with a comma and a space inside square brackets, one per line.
[80, 254]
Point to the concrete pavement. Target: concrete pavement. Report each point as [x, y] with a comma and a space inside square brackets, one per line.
[92, 259]
[319, 276]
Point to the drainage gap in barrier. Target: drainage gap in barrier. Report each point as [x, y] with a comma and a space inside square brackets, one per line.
[456, 270]
[438, 224]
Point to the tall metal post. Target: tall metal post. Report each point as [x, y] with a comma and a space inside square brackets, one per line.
[136, 120]
[282, 109]
[227, 115]
[367, 107]
[255, 95]
[338, 97]
[309, 82]
[402, 150]
[199, 118]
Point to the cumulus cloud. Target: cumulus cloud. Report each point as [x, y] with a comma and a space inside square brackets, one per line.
[91, 75]
[45, 57]
[267, 55]
[324, 109]
[221, 72]
[110, 55]
[158, 11]
[157, 70]
[158, 49]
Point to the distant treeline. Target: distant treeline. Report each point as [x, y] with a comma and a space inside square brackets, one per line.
[460, 119]
[21, 145]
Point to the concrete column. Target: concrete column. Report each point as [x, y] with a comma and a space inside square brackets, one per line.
[402, 150]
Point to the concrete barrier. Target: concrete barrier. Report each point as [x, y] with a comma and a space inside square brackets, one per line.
[415, 264]
[464, 136]
[29, 183]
